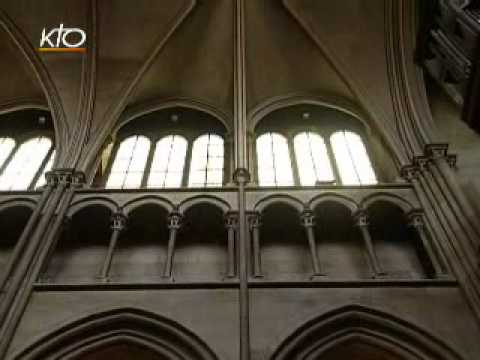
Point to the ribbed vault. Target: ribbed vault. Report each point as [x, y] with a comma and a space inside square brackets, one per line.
[184, 49]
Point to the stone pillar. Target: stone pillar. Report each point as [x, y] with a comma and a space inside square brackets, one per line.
[35, 253]
[361, 221]
[308, 223]
[231, 224]
[174, 223]
[28, 230]
[255, 224]
[118, 226]
[442, 169]
[415, 218]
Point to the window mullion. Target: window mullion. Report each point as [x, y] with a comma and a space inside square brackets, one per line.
[187, 166]
[293, 161]
[310, 150]
[132, 155]
[148, 165]
[169, 157]
[205, 181]
[333, 160]
[359, 179]
[274, 159]
[9, 157]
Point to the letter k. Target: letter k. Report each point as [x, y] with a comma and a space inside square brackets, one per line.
[46, 37]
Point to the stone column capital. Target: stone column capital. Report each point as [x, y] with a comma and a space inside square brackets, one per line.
[410, 172]
[175, 220]
[119, 221]
[231, 220]
[254, 220]
[361, 218]
[307, 218]
[422, 162]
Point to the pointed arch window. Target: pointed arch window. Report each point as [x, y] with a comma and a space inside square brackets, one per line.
[168, 162]
[312, 159]
[129, 164]
[206, 167]
[352, 159]
[6, 146]
[274, 163]
[25, 164]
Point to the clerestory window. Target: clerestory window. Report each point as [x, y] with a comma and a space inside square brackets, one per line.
[206, 168]
[23, 166]
[341, 158]
[274, 163]
[131, 167]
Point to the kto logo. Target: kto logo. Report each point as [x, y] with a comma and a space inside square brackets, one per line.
[63, 39]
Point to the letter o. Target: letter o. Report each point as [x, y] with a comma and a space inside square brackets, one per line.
[74, 30]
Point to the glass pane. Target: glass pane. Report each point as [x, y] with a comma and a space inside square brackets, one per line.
[6, 147]
[274, 164]
[197, 178]
[312, 159]
[173, 179]
[21, 170]
[42, 180]
[115, 180]
[129, 164]
[361, 160]
[206, 168]
[352, 159]
[168, 162]
[133, 180]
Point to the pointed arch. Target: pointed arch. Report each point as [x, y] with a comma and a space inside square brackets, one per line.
[55, 105]
[132, 326]
[365, 325]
